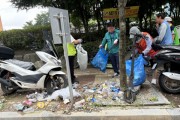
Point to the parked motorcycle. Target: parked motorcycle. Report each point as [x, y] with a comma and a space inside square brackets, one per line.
[168, 63]
[22, 75]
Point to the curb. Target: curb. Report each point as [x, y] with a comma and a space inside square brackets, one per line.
[110, 114]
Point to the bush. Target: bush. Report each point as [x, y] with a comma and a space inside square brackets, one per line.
[20, 39]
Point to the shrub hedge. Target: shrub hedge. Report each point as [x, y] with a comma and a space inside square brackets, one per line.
[21, 39]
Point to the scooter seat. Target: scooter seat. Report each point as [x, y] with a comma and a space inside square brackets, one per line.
[25, 65]
[176, 48]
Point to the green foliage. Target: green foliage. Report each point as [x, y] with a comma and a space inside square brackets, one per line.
[41, 19]
[82, 11]
[20, 39]
[92, 48]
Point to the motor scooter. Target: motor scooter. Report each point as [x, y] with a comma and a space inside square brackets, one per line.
[22, 75]
[168, 63]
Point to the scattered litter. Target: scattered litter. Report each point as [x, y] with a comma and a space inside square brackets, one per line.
[40, 105]
[2, 101]
[28, 110]
[89, 91]
[64, 93]
[34, 97]
[19, 107]
[33, 100]
[66, 101]
[27, 103]
[75, 85]
[79, 104]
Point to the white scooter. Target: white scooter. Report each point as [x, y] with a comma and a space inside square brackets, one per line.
[49, 76]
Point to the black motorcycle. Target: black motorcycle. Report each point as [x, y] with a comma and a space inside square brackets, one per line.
[168, 63]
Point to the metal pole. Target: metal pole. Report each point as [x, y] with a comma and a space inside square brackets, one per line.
[66, 58]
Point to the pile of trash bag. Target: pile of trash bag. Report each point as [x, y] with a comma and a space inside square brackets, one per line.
[139, 70]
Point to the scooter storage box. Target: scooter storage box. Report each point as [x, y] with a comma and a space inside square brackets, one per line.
[6, 53]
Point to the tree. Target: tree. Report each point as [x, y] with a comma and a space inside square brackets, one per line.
[28, 25]
[122, 26]
[42, 19]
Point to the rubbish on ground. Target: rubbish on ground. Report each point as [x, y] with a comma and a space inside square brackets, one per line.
[66, 101]
[2, 101]
[33, 100]
[75, 85]
[55, 107]
[27, 103]
[79, 104]
[64, 93]
[34, 97]
[153, 99]
[89, 91]
[40, 105]
[28, 110]
[19, 107]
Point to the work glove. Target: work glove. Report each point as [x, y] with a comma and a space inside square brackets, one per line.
[115, 41]
[79, 41]
[100, 46]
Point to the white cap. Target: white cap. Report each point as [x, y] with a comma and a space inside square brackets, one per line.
[134, 30]
[168, 19]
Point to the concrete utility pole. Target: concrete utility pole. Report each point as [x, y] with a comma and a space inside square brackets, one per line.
[122, 26]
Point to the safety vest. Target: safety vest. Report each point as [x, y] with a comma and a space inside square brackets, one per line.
[71, 49]
[176, 37]
[141, 46]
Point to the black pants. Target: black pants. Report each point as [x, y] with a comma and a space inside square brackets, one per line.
[115, 62]
[71, 65]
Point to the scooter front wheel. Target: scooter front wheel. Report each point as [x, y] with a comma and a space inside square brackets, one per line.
[129, 96]
[6, 89]
[55, 83]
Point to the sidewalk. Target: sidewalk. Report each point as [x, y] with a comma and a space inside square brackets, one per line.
[144, 110]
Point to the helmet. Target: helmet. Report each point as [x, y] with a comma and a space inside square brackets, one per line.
[134, 30]
[168, 19]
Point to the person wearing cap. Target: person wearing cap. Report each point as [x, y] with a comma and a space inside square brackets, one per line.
[143, 44]
[175, 35]
[164, 30]
[111, 38]
[71, 54]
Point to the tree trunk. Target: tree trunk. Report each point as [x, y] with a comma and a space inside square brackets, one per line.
[122, 25]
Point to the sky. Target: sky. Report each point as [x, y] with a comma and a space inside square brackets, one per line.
[12, 18]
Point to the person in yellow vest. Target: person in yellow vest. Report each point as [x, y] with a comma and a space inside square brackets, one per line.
[71, 54]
